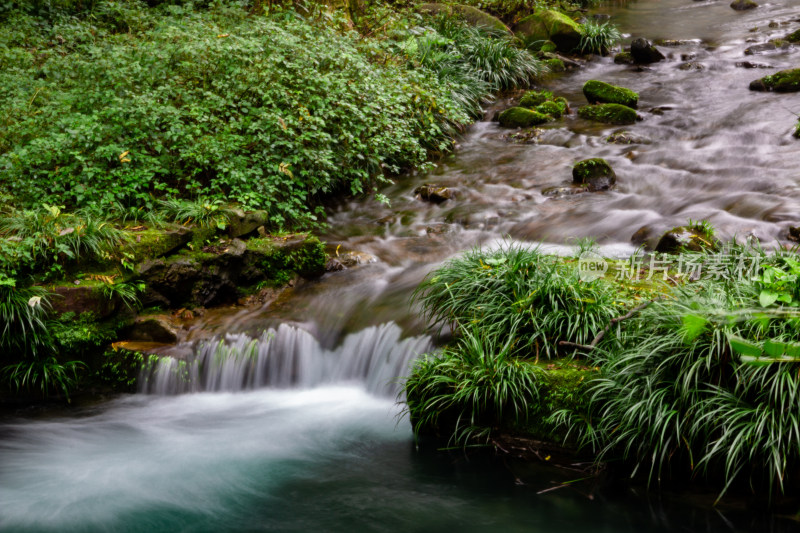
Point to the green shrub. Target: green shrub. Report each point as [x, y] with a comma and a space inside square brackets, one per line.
[267, 112]
[519, 294]
[598, 38]
[703, 384]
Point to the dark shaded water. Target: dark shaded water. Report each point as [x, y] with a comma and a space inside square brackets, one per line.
[326, 450]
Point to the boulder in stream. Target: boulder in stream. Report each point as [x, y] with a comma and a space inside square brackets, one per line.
[609, 113]
[154, 328]
[644, 52]
[595, 174]
[690, 238]
[550, 25]
[434, 193]
[552, 108]
[520, 117]
[600, 92]
[785, 81]
[793, 37]
[626, 137]
[743, 5]
[531, 99]
[624, 58]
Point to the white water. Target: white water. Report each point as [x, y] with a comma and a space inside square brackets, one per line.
[376, 358]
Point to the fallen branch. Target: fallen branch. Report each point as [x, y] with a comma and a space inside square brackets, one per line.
[599, 337]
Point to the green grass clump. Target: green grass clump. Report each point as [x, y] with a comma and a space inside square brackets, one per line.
[517, 293]
[598, 38]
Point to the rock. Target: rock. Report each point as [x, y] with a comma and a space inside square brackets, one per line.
[568, 63]
[605, 93]
[555, 64]
[153, 329]
[785, 81]
[434, 193]
[548, 47]
[742, 5]
[594, 174]
[158, 243]
[671, 42]
[472, 15]
[644, 52]
[520, 117]
[609, 113]
[81, 299]
[688, 57]
[765, 47]
[687, 239]
[644, 236]
[793, 37]
[624, 58]
[626, 137]
[552, 108]
[349, 260]
[549, 25]
[691, 65]
[245, 223]
[794, 233]
[748, 64]
[660, 110]
[531, 99]
[560, 192]
[526, 136]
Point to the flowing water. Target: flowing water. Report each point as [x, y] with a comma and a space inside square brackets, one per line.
[284, 417]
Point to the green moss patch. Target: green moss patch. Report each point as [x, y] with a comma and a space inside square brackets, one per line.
[785, 81]
[520, 117]
[604, 93]
[609, 113]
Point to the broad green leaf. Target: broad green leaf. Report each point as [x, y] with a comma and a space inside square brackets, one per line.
[744, 347]
[767, 298]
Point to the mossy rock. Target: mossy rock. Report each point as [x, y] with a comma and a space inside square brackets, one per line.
[548, 47]
[609, 114]
[785, 81]
[552, 108]
[694, 238]
[472, 15]
[793, 37]
[624, 58]
[519, 117]
[595, 174]
[600, 92]
[550, 25]
[152, 243]
[743, 5]
[555, 65]
[532, 99]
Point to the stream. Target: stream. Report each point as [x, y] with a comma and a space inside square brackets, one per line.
[285, 417]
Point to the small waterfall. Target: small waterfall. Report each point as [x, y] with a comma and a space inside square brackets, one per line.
[289, 357]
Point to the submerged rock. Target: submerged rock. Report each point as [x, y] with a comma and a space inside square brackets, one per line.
[785, 81]
[742, 5]
[691, 65]
[626, 137]
[434, 193]
[550, 25]
[624, 58]
[595, 174]
[520, 117]
[693, 238]
[609, 113]
[749, 64]
[644, 52]
[604, 93]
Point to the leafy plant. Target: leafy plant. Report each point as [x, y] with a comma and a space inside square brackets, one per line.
[126, 291]
[23, 311]
[477, 385]
[598, 38]
[44, 373]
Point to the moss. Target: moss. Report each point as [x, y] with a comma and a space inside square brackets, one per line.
[793, 37]
[533, 98]
[548, 46]
[797, 130]
[304, 255]
[624, 58]
[554, 109]
[608, 113]
[601, 92]
[550, 25]
[519, 117]
[785, 81]
[555, 65]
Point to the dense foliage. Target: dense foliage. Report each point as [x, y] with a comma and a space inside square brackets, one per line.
[701, 383]
[121, 103]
